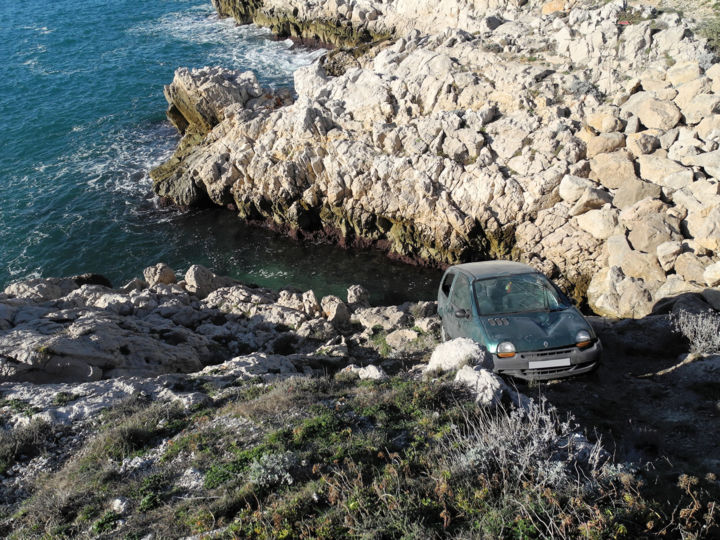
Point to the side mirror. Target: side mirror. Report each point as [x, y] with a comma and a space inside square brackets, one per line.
[462, 314]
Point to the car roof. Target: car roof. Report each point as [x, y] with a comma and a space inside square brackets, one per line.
[485, 269]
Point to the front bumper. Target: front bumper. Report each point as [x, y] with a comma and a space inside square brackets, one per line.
[580, 361]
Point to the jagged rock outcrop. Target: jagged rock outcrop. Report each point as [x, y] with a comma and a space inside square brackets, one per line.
[524, 140]
[65, 330]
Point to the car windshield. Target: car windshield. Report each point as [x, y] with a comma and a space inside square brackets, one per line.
[516, 294]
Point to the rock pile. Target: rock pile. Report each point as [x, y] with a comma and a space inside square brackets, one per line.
[560, 136]
[60, 330]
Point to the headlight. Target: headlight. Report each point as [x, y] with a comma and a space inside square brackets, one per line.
[583, 339]
[506, 350]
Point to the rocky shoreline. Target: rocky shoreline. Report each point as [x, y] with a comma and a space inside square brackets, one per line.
[582, 139]
[127, 382]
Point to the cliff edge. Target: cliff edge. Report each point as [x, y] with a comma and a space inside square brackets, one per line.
[582, 139]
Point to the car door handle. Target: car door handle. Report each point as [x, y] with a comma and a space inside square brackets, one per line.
[462, 314]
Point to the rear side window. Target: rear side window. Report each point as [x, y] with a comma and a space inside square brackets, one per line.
[447, 283]
[461, 293]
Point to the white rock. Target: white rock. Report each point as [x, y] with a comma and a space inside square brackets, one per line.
[454, 354]
[488, 388]
[335, 310]
[712, 275]
[371, 372]
[160, 273]
[202, 281]
[667, 252]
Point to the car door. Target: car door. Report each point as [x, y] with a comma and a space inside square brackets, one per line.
[444, 308]
[459, 314]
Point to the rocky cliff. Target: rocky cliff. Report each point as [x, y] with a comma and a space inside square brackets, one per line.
[582, 139]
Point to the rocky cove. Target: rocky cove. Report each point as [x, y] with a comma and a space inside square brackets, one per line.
[581, 138]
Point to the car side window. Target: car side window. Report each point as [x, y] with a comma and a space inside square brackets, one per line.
[447, 283]
[460, 298]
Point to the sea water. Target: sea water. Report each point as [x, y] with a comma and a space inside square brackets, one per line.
[82, 122]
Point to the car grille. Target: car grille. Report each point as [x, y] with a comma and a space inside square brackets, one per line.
[546, 355]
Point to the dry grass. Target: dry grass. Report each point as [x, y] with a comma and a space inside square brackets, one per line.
[702, 330]
[325, 458]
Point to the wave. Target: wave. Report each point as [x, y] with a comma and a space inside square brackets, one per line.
[246, 47]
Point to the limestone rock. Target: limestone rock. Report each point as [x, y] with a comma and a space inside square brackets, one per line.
[41, 290]
[633, 191]
[683, 72]
[553, 6]
[572, 187]
[335, 310]
[701, 106]
[488, 388]
[656, 168]
[601, 223]
[711, 274]
[710, 124]
[690, 268]
[199, 97]
[202, 281]
[358, 297]
[642, 143]
[612, 294]
[401, 338]
[454, 354]
[667, 252]
[371, 372]
[604, 143]
[160, 273]
[591, 199]
[605, 122]
[386, 318]
[613, 170]
[654, 113]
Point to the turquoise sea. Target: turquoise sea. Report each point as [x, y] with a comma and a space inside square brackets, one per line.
[81, 123]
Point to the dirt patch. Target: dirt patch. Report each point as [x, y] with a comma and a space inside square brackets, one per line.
[649, 400]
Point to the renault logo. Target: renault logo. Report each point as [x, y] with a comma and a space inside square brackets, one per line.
[545, 344]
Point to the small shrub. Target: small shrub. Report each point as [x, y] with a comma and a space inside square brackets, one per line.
[272, 470]
[702, 330]
[710, 30]
[63, 398]
[29, 440]
[106, 523]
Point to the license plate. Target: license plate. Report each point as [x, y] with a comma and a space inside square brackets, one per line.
[559, 362]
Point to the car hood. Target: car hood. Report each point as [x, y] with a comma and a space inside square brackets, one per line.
[536, 330]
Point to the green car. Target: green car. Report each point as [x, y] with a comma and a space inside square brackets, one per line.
[529, 327]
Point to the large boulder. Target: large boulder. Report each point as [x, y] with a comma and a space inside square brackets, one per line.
[336, 311]
[454, 354]
[160, 273]
[201, 281]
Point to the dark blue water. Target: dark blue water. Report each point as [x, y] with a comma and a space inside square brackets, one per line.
[81, 123]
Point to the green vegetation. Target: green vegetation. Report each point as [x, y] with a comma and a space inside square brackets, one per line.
[333, 458]
[710, 30]
[19, 406]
